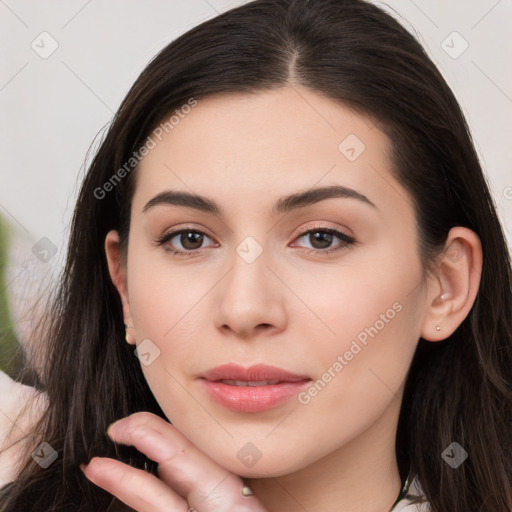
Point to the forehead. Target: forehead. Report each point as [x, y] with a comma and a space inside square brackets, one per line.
[267, 123]
[244, 147]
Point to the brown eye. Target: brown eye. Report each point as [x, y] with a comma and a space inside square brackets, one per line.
[183, 242]
[190, 240]
[321, 240]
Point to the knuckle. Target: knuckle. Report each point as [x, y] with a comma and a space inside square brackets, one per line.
[184, 442]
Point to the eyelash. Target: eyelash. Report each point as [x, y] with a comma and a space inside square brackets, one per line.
[348, 240]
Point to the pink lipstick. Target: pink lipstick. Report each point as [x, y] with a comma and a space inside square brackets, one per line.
[254, 389]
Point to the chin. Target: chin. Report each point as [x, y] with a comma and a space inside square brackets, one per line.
[266, 467]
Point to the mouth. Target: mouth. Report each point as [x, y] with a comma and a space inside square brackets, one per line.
[254, 389]
[253, 383]
[233, 374]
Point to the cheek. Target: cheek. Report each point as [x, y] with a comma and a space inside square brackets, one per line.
[369, 315]
[162, 293]
[162, 307]
[367, 291]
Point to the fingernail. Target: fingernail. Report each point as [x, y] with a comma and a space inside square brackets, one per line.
[246, 491]
[82, 466]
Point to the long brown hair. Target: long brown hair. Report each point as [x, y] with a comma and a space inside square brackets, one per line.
[353, 52]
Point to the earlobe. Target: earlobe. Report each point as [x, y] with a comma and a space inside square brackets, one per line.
[453, 290]
[117, 273]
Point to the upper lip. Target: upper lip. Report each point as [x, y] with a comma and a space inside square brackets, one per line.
[258, 372]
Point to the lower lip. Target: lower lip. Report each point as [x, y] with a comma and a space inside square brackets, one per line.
[253, 398]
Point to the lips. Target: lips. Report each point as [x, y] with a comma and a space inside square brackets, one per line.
[256, 373]
[254, 389]
[249, 383]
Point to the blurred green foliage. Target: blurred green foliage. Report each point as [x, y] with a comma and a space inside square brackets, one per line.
[8, 340]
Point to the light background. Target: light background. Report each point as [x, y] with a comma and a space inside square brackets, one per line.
[52, 108]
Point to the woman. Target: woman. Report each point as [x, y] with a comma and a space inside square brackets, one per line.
[250, 371]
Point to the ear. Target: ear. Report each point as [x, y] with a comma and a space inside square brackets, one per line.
[118, 275]
[454, 287]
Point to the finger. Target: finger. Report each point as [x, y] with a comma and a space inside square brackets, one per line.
[136, 488]
[206, 485]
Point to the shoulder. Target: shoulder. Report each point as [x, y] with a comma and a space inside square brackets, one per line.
[409, 502]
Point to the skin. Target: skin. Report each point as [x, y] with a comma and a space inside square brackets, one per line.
[288, 308]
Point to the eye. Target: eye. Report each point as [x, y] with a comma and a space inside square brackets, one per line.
[322, 237]
[190, 240]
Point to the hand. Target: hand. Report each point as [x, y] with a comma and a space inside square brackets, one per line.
[188, 480]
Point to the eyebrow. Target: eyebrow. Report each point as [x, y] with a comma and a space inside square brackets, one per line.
[283, 205]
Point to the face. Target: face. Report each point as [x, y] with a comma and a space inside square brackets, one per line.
[328, 288]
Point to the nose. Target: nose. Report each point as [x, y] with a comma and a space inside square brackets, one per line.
[250, 299]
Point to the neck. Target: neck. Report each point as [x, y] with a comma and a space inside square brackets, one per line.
[361, 475]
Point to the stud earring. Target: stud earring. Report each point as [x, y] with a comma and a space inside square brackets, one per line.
[445, 296]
